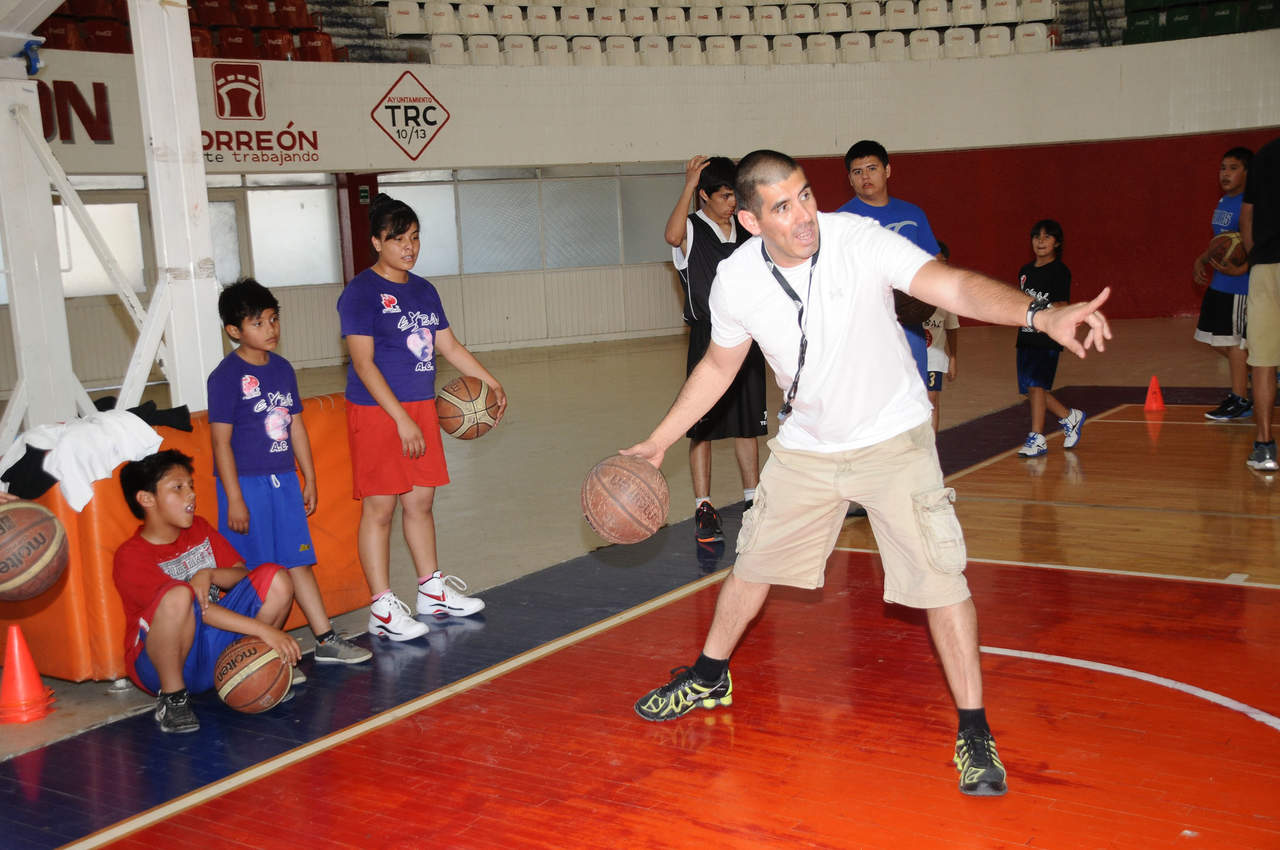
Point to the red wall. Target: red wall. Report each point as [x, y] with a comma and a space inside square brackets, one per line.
[1134, 213]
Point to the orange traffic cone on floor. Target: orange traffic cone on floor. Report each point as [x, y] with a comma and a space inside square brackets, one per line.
[23, 697]
[1155, 398]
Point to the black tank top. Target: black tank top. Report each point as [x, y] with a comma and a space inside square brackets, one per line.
[705, 253]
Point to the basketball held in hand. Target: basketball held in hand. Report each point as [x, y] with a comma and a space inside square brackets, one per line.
[33, 550]
[466, 408]
[625, 499]
[1227, 249]
[251, 676]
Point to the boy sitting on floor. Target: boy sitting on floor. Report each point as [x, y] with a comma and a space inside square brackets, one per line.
[186, 592]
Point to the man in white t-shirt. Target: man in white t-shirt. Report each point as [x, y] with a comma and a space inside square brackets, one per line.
[815, 291]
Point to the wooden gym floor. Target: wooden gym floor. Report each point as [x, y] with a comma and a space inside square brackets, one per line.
[1128, 601]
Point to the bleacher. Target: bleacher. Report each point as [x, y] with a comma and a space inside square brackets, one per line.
[1165, 20]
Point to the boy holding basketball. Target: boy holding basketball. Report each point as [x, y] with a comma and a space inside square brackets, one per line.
[187, 595]
[255, 419]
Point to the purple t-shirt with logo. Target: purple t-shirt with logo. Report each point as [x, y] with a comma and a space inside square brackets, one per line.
[403, 319]
[259, 402]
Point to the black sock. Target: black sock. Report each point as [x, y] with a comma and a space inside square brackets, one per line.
[710, 669]
[324, 637]
[974, 719]
[179, 692]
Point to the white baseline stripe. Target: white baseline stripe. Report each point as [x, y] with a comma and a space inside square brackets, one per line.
[305, 751]
[1226, 702]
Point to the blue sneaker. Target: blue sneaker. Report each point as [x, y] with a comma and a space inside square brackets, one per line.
[1034, 446]
[1071, 427]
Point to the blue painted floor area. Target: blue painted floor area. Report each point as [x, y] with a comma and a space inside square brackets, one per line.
[75, 787]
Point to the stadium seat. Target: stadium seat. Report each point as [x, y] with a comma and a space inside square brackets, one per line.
[1131, 6]
[672, 21]
[891, 46]
[789, 50]
[509, 20]
[1039, 10]
[687, 50]
[1142, 27]
[1183, 22]
[86, 9]
[706, 4]
[275, 44]
[447, 49]
[638, 21]
[316, 46]
[542, 21]
[1261, 15]
[933, 14]
[106, 36]
[439, 18]
[768, 21]
[834, 18]
[856, 47]
[1031, 38]
[517, 50]
[1224, 18]
[255, 14]
[1002, 11]
[720, 50]
[820, 49]
[959, 43]
[216, 13]
[553, 50]
[405, 19]
[620, 50]
[754, 50]
[994, 41]
[587, 52]
[201, 43]
[474, 20]
[293, 14]
[61, 33]
[236, 43]
[968, 13]
[484, 50]
[900, 15]
[865, 16]
[655, 51]
[924, 45]
[608, 21]
[801, 19]
[734, 20]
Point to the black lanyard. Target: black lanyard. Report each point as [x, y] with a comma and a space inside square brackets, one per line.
[804, 339]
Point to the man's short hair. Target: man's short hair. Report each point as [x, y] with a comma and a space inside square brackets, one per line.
[245, 299]
[760, 168]
[866, 148]
[145, 474]
[1241, 153]
[718, 174]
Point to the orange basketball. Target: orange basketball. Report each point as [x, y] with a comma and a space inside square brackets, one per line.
[1228, 249]
[625, 499]
[466, 408]
[33, 550]
[251, 676]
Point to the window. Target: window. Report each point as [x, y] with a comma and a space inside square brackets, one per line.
[82, 272]
[293, 236]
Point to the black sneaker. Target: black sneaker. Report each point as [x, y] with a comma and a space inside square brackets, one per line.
[981, 773]
[174, 714]
[1232, 407]
[683, 694]
[706, 521]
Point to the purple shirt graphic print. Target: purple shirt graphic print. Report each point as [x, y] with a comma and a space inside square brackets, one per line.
[259, 402]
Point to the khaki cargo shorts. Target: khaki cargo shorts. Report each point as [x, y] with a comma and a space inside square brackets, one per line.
[1263, 331]
[799, 510]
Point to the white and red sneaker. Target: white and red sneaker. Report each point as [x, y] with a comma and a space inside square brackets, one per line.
[390, 618]
[443, 595]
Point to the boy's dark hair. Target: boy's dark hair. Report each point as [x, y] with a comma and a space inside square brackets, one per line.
[1241, 153]
[388, 218]
[760, 168]
[245, 299]
[866, 147]
[145, 474]
[719, 174]
[1053, 229]
[944, 250]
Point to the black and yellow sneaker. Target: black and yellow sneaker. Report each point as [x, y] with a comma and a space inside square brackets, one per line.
[683, 694]
[981, 773]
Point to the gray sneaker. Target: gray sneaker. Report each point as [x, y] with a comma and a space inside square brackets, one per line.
[338, 650]
[174, 714]
[1263, 457]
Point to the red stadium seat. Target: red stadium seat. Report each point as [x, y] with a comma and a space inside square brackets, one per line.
[107, 37]
[236, 43]
[94, 9]
[293, 15]
[276, 44]
[61, 34]
[216, 13]
[315, 46]
[201, 43]
[255, 14]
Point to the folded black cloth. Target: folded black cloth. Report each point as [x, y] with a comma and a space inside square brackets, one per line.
[171, 417]
[27, 478]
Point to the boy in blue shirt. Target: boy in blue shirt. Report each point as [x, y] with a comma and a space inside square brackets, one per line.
[255, 417]
[1222, 313]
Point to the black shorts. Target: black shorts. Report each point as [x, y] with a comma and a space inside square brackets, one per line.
[742, 411]
[1222, 319]
[1037, 367]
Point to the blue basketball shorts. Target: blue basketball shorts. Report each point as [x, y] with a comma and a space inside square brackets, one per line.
[278, 531]
[934, 384]
[197, 671]
[1037, 367]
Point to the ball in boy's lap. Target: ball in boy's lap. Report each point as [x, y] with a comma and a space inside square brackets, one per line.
[466, 408]
[251, 676]
[1228, 249]
[625, 499]
[33, 550]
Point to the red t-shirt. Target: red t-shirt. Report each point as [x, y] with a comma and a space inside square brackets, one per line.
[144, 571]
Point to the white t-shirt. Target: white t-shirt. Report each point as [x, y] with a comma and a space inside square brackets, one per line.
[935, 334]
[859, 385]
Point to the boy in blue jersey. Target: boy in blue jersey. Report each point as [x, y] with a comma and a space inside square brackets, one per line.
[1222, 313]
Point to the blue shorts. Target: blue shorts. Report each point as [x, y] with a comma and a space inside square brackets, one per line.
[919, 349]
[1037, 367]
[278, 532]
[934, 383]
[197, 672]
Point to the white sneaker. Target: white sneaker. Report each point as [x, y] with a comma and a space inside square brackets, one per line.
[443, 595]
[1034, 446]
[1071, 427]
[390, 618]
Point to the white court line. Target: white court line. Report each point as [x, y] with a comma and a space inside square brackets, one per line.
[1234, 579]
[1216, 698]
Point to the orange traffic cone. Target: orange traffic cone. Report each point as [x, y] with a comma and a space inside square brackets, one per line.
[23, 697]
[1155, 398]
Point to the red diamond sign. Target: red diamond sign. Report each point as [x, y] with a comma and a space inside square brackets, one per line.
[410, 115]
